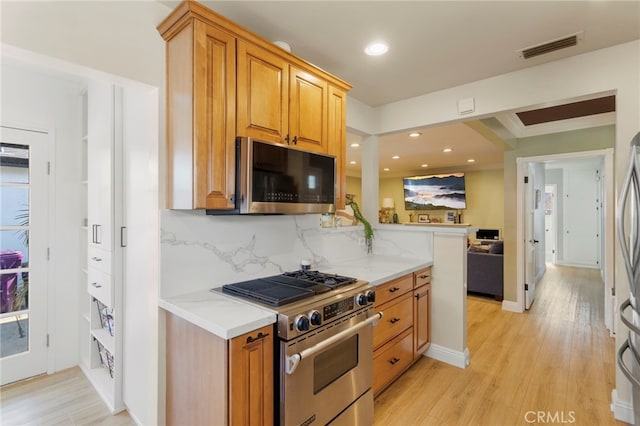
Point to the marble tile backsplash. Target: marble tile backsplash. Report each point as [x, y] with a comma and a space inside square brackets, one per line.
[200, 251]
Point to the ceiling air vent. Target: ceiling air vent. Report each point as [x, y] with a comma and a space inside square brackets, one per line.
[550, 46]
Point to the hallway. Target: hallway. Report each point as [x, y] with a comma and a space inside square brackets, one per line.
[556, 361]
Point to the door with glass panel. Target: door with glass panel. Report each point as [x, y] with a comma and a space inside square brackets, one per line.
[23, 253]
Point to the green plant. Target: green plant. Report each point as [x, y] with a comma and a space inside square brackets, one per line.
[23, 220]
[368, 230]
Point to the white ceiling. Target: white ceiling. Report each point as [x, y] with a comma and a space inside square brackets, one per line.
[433, 45]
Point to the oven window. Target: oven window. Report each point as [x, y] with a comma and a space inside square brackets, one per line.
[333, 363]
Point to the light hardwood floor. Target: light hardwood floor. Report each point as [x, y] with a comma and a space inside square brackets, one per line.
[557, 358]
[64, 398]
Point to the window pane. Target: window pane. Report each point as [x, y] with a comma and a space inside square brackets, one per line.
[15, 206]
[14, 163]
[14, 292]
[14, 335]
[15, 240]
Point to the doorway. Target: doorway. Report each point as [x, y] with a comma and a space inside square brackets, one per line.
[24, 227]
[608, 223]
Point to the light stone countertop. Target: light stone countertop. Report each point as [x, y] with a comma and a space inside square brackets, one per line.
[229, 317]
[223, 316]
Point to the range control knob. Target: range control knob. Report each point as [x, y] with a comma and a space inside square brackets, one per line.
[371, 296]
[361, 300]
[302, 323]
[315, 318]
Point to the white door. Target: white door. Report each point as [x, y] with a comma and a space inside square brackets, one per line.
[550, 213]
[100, 117]
[23, 241]
[530, 242]
[579, 202]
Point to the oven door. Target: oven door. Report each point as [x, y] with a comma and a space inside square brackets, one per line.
[334, 376]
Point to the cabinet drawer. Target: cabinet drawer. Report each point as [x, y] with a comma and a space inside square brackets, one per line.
[99, 259]
[422, 277]
[397, 316]
[393, 289]
[391, 360]
[100, 286]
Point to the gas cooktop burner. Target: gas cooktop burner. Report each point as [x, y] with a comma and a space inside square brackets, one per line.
[330, 280]
[287, 288]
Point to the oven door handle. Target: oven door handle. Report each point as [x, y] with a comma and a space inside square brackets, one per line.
[292, 362]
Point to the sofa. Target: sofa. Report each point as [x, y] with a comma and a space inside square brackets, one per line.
[485, 269]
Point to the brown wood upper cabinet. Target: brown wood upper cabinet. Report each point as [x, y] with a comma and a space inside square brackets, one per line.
[280, 102]
[224, 81]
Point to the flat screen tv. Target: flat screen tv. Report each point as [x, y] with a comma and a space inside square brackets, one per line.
[435, 192]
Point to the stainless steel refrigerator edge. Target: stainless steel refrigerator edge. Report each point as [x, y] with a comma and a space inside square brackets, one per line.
[630, 247]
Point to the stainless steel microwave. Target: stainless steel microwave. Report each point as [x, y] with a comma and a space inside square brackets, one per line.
[279, 179]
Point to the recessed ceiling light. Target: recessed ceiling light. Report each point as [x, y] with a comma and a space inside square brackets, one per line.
[386, 169]
[395, 157]
[355, 145]
[447, 150]
[471, 160]
[376, 48]
[353, 162]
[424, 165]
[414, 134]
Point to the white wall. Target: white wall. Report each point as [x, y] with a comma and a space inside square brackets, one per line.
[33, 99]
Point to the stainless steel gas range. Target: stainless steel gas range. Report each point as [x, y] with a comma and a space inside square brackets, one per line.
[324, 353]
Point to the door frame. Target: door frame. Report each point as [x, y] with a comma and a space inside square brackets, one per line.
[50, 236]
[609, 226]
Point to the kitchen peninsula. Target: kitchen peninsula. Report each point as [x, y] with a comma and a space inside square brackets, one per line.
[212, 260]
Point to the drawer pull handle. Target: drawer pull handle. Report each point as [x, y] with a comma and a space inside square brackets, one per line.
[260, 335]
[97, 259]
[96, 285]
[394, 289]
[394, 361]
[394, 320]
[422, 277]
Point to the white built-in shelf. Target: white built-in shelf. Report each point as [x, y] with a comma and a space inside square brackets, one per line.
[107, 340]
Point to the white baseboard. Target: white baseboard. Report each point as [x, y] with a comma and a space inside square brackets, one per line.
[510, 306]
[451, 357]
[577, 264]
[622, 410]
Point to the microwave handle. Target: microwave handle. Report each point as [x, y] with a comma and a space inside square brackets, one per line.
[292, 362]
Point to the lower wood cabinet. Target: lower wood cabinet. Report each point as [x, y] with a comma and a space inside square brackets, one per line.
[391, 360]
[213, 381]
[398, 316]
[404, 332]
[422, 311]
[251, 378]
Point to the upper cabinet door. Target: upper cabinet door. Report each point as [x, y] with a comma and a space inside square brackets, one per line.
[307, 110]
[263, 98]
[214, 106]
[337, 140]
